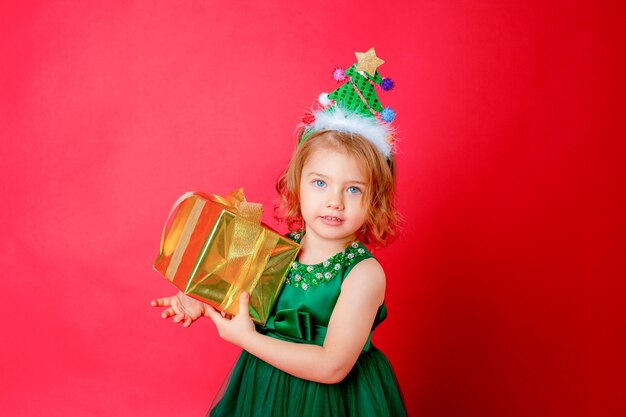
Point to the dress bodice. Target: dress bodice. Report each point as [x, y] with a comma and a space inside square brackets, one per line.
[303, 308]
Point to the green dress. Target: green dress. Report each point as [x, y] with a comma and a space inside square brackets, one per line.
[301, 315]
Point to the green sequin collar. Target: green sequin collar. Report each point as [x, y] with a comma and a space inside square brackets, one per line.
[305, 276]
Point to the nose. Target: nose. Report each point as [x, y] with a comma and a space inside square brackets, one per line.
[335, 200]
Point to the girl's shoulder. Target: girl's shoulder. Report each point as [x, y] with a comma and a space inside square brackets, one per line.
[366, 283]
[367, 269]
[356, 255]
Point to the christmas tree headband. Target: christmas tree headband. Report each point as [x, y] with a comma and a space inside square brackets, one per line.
[354, 107]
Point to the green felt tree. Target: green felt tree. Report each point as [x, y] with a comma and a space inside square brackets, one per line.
[358, 93]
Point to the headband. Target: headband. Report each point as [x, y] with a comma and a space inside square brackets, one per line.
[354, 106]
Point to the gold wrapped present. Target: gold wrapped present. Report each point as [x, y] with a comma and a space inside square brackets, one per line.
[216, 247]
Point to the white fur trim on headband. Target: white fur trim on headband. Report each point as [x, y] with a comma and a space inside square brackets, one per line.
[341, 120]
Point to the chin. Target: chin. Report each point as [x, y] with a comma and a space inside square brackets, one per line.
[336, 234]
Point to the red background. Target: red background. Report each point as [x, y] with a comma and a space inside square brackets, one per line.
[506, 289]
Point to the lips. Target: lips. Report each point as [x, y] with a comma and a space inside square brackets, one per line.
[331, 220]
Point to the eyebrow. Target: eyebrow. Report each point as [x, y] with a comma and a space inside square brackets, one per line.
[317, 174]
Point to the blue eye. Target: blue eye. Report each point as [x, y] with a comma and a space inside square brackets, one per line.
[354, 190]
[319, 183]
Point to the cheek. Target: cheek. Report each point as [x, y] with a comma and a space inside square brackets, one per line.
[365, 212]
[359, 209]
[365, 217]
[305, 200]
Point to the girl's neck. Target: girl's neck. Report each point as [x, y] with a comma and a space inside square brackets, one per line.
[315, 250]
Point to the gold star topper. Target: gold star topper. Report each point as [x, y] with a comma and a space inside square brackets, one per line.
[368, 61]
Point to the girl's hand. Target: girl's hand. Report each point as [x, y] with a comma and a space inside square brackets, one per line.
[237, 329]
[184, 308]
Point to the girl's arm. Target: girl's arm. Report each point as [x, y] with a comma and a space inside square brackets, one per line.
[362, 293]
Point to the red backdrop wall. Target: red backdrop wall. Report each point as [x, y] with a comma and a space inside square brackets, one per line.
[506, 289]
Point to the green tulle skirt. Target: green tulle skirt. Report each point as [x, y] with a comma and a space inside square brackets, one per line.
[257, 389]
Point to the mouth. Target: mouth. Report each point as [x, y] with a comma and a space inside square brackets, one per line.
[331, 219]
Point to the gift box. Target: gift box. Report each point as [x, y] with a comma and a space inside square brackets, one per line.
[214, 248]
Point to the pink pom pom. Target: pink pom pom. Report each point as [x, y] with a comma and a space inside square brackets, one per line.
[339, 75]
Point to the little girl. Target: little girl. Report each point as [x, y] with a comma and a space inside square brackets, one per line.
[314, 356]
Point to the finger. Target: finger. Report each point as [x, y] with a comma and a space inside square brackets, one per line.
[244, 300]
[168, 313]
[161, 302]
[214, 315]
[179, 317]
[187, 322]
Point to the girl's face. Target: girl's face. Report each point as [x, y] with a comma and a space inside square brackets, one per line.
[332, 189]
